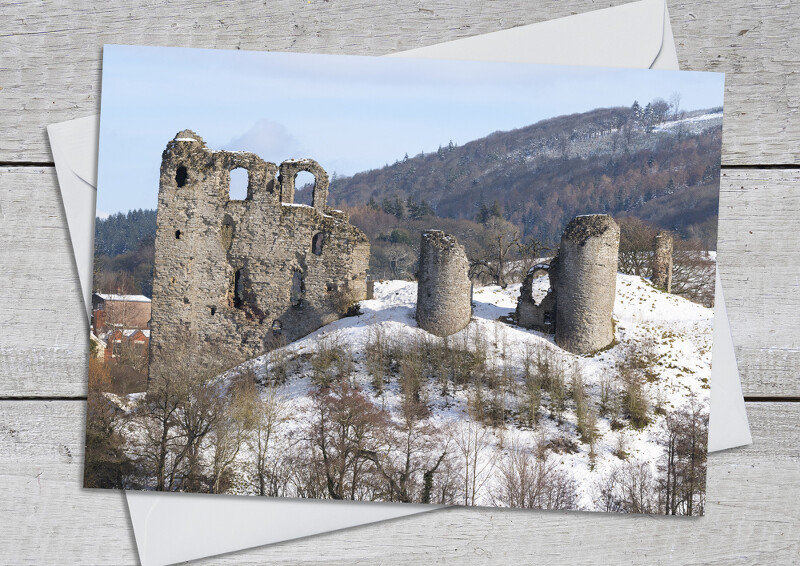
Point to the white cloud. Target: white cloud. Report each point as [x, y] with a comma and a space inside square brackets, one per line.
[268, 139]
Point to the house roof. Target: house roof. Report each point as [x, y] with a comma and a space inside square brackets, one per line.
[130, 332]
[123, 298]
[126, 332]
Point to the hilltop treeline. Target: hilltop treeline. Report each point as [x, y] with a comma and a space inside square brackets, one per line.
[124, 252]
[619, 161]
[123, 233]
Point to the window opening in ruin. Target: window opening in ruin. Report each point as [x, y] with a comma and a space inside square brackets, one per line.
[298, 288]
[226, 233]
[180, 176]
[213, 311]
[238, 289]
[547, 318]
[317, 242]
[238, 186]
[177, 234]
[304, 183]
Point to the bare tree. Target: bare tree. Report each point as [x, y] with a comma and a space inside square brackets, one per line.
[693, 272]
[267, 412]
[629, 487]
[345, 429]
[675, 103]
[635, 246]
[530, 479]
[473, 442]
[501, 240]
[106, 464]
[683, 464]
[182, 405]
[408, 457]
[232, 428]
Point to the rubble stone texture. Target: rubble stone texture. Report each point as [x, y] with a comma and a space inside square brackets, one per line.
[586, 283]
[239, 276]
[541, 316]
[444, 292]
[662, 261]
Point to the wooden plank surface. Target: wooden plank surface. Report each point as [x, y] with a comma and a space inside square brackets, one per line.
[751, 519]
[50, 71]
[50, 52]
[759, 262]
[46, 328]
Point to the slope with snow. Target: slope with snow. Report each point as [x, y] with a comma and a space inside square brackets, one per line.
[675, 333]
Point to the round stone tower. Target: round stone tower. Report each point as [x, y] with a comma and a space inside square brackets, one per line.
[587, 283]
[444, 292]
[662, 261]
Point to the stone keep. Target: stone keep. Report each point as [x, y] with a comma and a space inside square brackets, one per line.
[239, 276]
[662, 261]
[444, 292]
[586, 283]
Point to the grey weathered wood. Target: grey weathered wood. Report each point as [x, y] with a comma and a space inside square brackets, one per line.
[43, 327]
[752, 512]
[759, 262]
[50, 52]
[43, 330]
[50, 71]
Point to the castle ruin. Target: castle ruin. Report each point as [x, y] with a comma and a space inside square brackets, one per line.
[583, 278]
[662, 261]
[244, 275]
[530, 314]
[444, 291]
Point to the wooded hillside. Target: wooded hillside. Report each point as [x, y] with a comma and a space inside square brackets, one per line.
[645, 163]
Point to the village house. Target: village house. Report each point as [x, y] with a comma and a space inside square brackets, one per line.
[114, 311]
[129, 342]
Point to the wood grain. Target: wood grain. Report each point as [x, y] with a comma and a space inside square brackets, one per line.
[759, 263]
[50, 59]
[751, 515]
[43, 335]
[43, 329]
[50, 52]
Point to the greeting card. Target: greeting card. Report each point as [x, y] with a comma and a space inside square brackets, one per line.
[393, 280]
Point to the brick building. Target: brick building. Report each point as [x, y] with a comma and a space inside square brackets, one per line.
[125, 312]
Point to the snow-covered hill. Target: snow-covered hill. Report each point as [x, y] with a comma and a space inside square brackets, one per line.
[663, 340]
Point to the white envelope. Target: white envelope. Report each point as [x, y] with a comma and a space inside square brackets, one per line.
[172, 527]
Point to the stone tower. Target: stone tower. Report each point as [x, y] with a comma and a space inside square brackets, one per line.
[586, 283]
[444, 292]
[662, 261]
[238, 276]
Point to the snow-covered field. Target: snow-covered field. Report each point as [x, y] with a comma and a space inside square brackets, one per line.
[673, 333]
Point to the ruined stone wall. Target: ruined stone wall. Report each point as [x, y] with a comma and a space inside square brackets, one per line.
[662, 261]
[586, 283]
[541, 316]
[239, 275]
[444, 292]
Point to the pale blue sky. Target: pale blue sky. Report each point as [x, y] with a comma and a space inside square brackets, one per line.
[349, 113]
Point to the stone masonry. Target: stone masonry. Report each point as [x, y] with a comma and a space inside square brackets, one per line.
[662, 261]
[444, 292]
[243, 275]
[587, 283]
[541, 316]
[583, 280]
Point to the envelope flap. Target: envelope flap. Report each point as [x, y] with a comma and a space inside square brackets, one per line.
[624, 36]
[76, 140]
